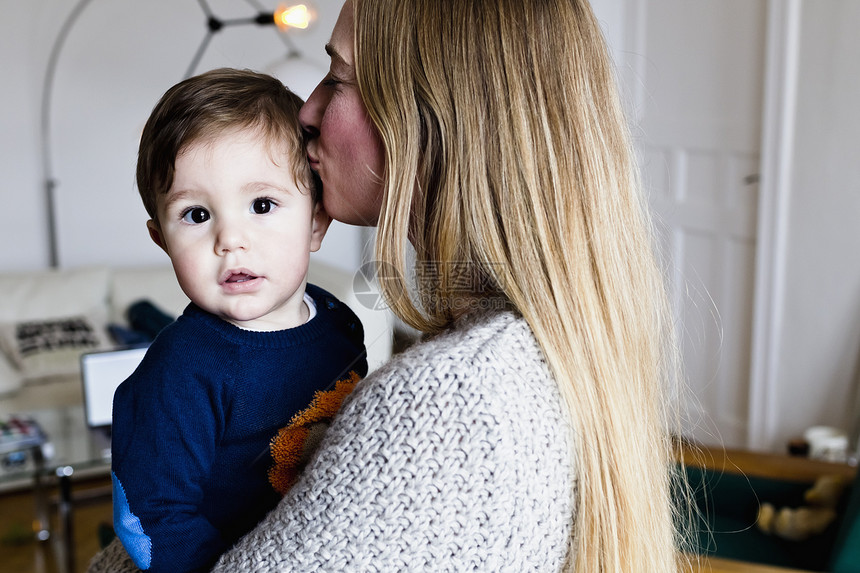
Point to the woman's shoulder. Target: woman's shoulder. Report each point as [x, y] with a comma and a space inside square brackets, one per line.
[489, 363]
[500, 342]
[476, 335]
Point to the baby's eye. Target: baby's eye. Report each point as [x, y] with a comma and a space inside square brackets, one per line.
[262, 206]
[195, 215]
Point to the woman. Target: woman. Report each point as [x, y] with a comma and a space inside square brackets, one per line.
[525, 432]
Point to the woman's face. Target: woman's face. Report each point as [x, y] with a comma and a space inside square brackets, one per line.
[344, 147]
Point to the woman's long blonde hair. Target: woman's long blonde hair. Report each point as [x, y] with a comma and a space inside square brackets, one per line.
[508, 157]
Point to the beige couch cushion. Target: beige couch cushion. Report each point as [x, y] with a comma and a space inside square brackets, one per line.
[157, 284]
[39, 295]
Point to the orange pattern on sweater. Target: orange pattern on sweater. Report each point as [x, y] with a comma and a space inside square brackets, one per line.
[292, 447]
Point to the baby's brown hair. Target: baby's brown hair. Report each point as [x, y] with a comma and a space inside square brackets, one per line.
[212, 103]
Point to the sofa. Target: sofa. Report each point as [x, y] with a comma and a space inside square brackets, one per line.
[68, 312]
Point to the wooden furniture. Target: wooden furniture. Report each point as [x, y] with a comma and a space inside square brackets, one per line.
[718, 565]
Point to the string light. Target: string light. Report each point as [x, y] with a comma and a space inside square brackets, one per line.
[285, 17]
[298, 16]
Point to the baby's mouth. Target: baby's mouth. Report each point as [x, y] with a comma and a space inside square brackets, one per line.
[240, 278]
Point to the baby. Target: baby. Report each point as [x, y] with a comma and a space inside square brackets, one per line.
[216, 422]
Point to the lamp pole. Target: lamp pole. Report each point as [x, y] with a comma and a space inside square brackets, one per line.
[50, 183]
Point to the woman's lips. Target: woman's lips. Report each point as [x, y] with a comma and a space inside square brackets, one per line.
[314, 162]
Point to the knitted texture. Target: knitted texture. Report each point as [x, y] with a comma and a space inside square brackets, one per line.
[455, 456]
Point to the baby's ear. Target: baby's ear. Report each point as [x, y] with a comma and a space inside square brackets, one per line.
[155, 235]
[319, 226]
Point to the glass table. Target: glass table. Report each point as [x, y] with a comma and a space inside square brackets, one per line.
[68, 448]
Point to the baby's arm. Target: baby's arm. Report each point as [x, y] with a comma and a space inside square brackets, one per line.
[164, 438]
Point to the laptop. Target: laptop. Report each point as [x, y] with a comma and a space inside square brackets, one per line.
[101, 373]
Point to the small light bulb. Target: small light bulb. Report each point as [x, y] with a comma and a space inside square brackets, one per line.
[297, 16]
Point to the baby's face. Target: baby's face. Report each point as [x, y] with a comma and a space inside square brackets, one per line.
[239, 231]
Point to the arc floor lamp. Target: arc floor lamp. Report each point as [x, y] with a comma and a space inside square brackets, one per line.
[284, 18]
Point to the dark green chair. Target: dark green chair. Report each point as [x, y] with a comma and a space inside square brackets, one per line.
[728, 488]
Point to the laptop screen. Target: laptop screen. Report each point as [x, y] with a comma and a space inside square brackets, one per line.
[101, 373]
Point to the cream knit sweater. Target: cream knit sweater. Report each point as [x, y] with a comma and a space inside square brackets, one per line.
[455, 456]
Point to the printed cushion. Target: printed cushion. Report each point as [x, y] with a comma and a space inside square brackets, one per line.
[52, 346]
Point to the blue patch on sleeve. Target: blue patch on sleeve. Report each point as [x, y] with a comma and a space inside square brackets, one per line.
[129, 529]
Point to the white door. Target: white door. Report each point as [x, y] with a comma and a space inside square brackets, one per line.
[693, 74]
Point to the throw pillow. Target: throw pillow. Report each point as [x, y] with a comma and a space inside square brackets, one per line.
[53, 346]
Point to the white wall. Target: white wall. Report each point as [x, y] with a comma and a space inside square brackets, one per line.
[119, 57]
[820, 342]
[22, 221]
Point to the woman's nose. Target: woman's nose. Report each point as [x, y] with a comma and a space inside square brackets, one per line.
[311, 113]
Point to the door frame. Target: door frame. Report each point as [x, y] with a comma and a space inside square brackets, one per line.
[777, 149]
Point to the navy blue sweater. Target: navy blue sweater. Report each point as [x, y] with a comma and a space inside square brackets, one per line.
[192, 427]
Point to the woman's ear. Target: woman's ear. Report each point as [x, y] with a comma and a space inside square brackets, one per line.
[155, 235]
[319, 226]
